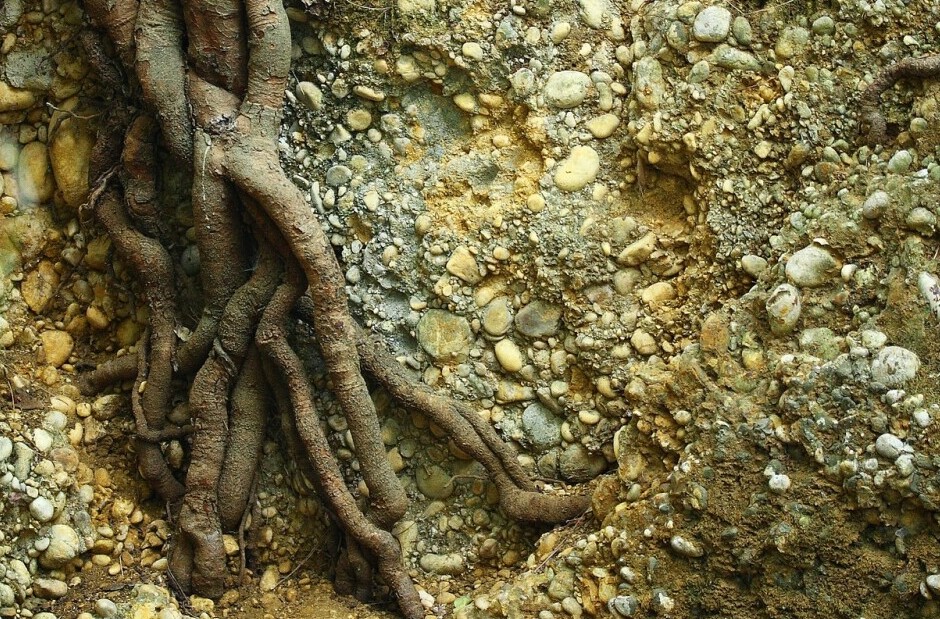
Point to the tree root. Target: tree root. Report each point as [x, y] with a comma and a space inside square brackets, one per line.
[873, 124]
[217, 105]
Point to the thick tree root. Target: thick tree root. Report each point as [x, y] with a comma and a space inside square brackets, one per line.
[873, 123]
[217, 106]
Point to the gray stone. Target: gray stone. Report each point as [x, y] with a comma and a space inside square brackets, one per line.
[824, 25]
[338, 175]
[811, 267]
[753, 265]
[538, 319]
[876, 204]
[541, 427]
[444, 336]
[649, 85]
[741, 30]
[933, 582]
[310, 95]
[623, 605]
[921, 220]
[434, 482]
[712, 24]
[49, 588]
[893, 366]
[105, 608]
[497, 316]
[820, 342]
[889, 446]
[792, 42]
[783, 309]
[900, 162]
[7, 596]
[578, 465]
[6, 448]
[779, 483]
[566, 89]
[728, 57]
[42, 509]
[64, 545]
[685, 547]
[450, 564]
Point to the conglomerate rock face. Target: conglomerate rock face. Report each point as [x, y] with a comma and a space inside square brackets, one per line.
[645, 239]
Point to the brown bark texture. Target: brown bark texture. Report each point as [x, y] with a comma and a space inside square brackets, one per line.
[207, 78]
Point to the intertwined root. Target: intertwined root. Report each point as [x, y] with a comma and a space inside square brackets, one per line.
[217, 106]
[872, 120]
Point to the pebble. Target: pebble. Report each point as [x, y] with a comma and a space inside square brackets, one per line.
[358, 119]
[538, 319]
[56, 346]
[64, 545]
[49, 588]
[39, 286]
[623, 605]
[685, 547]
[933, 582]
[792, 42]
[444, 336]
[876, 204]
[445, 564]
[70, 153]
[824, 25]
[734, 59]
[643, 343]
[14, 99]
[753, 265]
[712, 24]
[811, 267]
[658, 293]
[463, 264]
[900, 162]
[779, 483]
[472, 50]
[636, 253]
[509, 355]
[577, 465]
[269, 578]
[579, 169]
[893, 366]
[338, 175]
[497, 316]
[889, 446]
[603, 126]
[105, 608]
[42, 509]
[6, 449]
[434, 482]
[34, 178]
[566, 89]
[783, 309]
[541, 427]
[310, 95]
[649, 85]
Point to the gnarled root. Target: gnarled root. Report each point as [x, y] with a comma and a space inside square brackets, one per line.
[873, 124]
[263, 254]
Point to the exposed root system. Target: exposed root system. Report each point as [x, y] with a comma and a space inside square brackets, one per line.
[873, 122]
[215, 105]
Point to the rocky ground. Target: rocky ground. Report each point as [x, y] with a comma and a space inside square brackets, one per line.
[646, 238]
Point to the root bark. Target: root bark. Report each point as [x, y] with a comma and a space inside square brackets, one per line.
[216, 106]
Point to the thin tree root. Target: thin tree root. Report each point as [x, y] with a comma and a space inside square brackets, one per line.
[873, 124]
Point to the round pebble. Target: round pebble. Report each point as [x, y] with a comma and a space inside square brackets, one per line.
[42, 509]
[712, 24]
[579, 169]
[893, 366]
